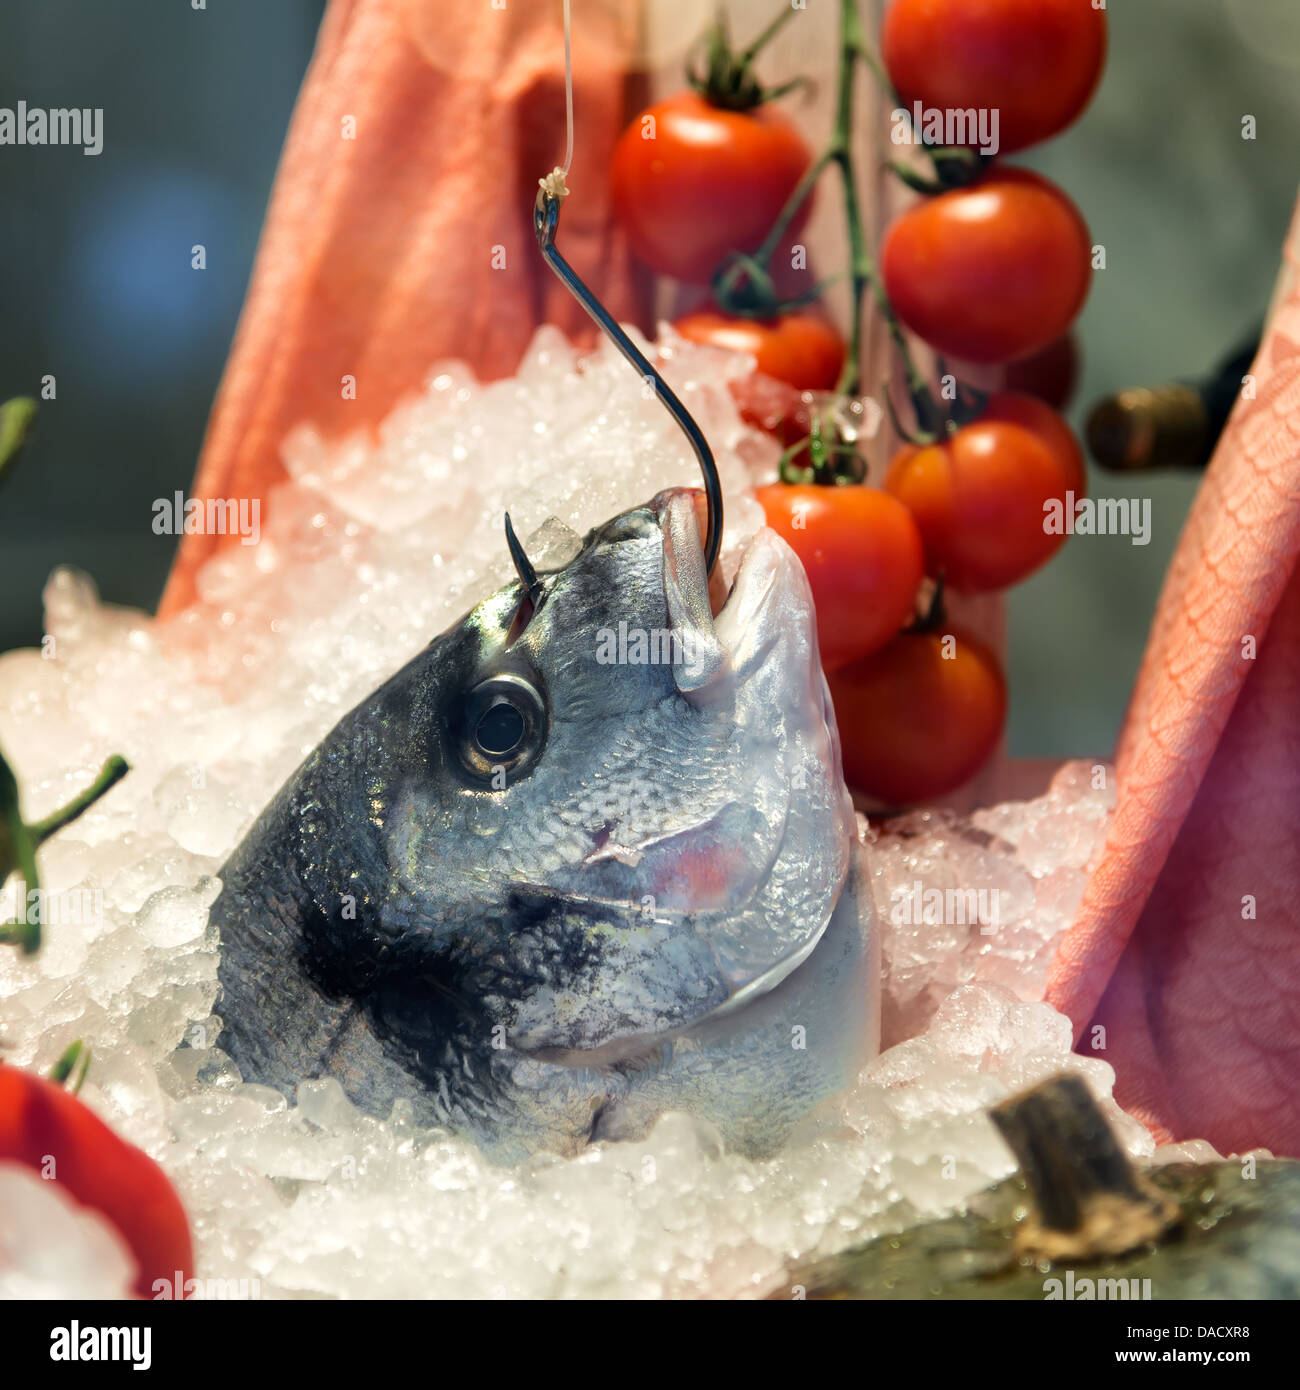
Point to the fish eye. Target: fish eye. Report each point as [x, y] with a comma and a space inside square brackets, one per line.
[500, 729]
[504, 726]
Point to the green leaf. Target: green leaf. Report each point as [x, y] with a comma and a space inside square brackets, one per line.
[16, 419]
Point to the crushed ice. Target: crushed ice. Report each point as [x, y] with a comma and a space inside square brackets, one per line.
[374, 546]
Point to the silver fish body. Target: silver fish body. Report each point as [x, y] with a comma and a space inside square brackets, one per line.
[576, 864]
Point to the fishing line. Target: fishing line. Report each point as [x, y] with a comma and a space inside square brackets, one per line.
[568, 90]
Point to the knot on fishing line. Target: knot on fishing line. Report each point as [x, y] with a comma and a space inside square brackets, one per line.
[554, 185]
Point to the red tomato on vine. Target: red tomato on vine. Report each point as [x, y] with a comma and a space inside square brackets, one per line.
[1035, 62]
[800, 347]
[693, 182]
[862, 554]
[992, 271]
[980, 495]
[920, 717]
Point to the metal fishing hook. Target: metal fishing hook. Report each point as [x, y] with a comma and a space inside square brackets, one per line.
[546, 218]
[523, 566]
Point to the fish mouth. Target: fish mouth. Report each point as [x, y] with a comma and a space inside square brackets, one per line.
[729, 632]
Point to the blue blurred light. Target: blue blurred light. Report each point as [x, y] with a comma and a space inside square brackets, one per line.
[133, 310]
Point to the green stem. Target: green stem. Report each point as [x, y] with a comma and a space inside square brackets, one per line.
[728, 278]
[768, 34]
[17, 854]
[918, 437]
[75, 1058]
[923, 403]
[793, 203]
[761, 290]
[862, 49]
[863, 271]
[109, 775]
[728, 78]
[19, 842]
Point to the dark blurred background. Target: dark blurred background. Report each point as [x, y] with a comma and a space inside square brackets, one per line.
[95, 280]
[96, 286]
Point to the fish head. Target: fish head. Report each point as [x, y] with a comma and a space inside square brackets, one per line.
[575, 826]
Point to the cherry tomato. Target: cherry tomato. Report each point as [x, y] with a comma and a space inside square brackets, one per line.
[46, 1128]
[863, 557]
[979, 497]
[992, 271]
[800, 348]
[692, 182]
[920, 717]
[1051, 374]
[1035, 62]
